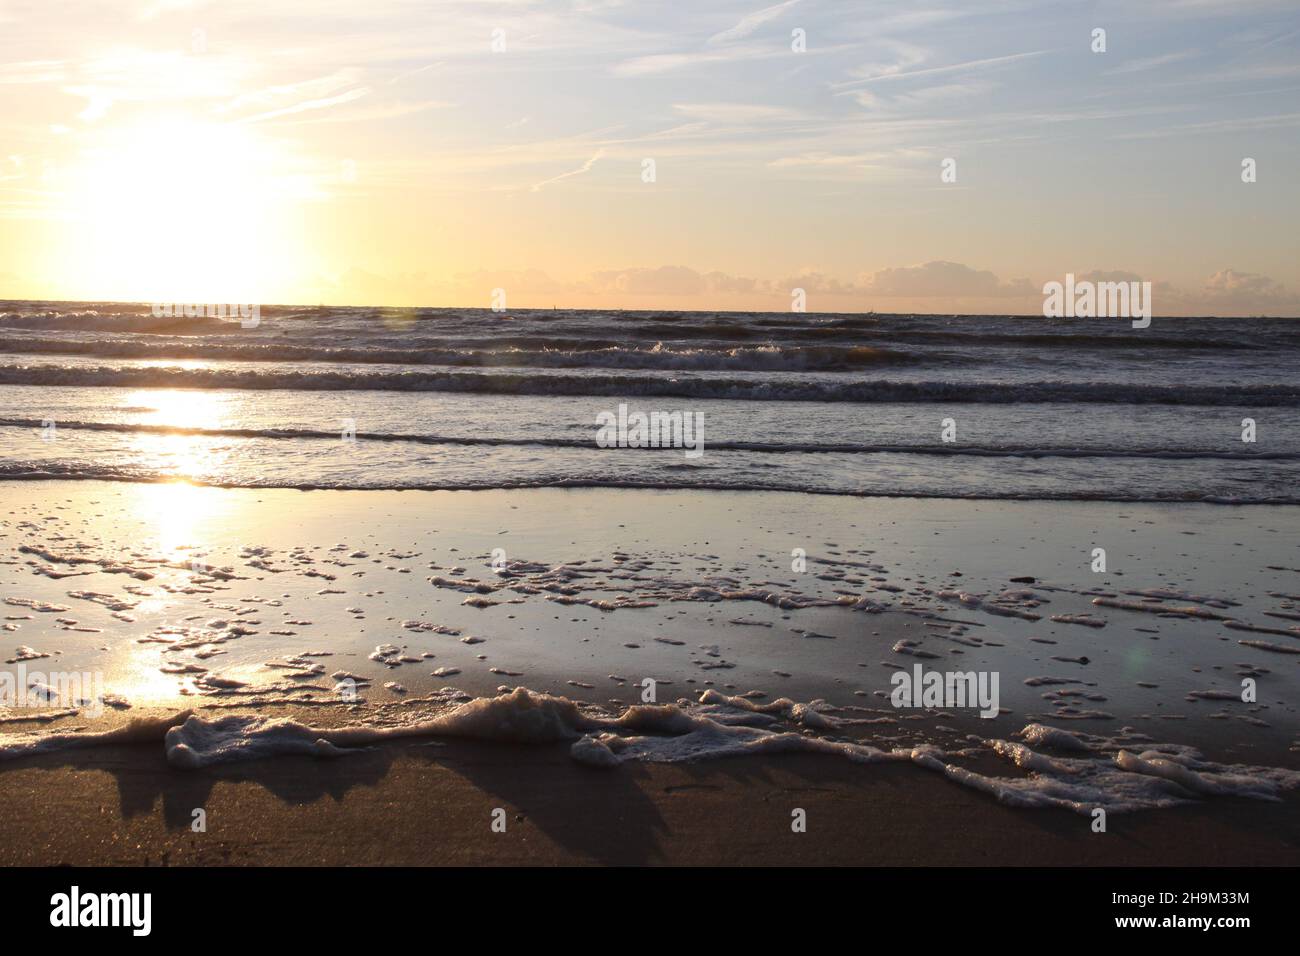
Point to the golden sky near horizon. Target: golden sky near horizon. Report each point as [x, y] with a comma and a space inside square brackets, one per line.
[649, 155]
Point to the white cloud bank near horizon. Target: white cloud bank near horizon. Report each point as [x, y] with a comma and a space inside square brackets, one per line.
[936, 287]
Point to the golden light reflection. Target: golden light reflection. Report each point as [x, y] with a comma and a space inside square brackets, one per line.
[180, 517]
[182, 408]
[136, 676]
[182, 456]
[399, 319]
[179, 523]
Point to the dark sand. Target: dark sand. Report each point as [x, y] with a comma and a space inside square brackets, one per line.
[432, 805]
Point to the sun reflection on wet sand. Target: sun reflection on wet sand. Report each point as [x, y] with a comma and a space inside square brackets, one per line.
[184, 525]
[179, 518]
[134, 674]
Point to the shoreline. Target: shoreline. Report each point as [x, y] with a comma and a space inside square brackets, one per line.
[605, 484]
[423, 806]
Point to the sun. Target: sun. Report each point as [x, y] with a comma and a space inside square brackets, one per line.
[175, 209]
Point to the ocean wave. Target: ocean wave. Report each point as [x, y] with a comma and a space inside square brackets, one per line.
[843, 448]
[656, 386]
[1068, 772]
[128, 322]
[359, 326]
[685, 480]
[539, 353]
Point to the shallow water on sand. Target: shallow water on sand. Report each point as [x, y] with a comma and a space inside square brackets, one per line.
[177, 591]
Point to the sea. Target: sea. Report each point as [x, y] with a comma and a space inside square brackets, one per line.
[951, 406]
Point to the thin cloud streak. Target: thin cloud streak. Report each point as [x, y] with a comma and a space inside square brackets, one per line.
[584, 168]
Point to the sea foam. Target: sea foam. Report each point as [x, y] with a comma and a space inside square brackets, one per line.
[1098, 773]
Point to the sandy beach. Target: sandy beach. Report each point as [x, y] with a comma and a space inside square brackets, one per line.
[427, 806]
[351, 608]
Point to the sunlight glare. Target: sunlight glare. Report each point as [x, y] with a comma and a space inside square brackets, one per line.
[178, 210]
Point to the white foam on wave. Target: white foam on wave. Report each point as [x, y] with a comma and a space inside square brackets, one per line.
[1039, 735]
[1099, 772]
[136, 731]
[520, 716]
[644, 383]
[1107, 775]
[1120, 782]
[673, 735]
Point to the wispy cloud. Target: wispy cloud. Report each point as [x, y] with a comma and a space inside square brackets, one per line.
[738, 112]
[665, 62]
[1270, 121]
[584, 168]
[32, 72]
[307, 105]
[276, 97]
[1151, 63]
[967, 66]
[751, 23]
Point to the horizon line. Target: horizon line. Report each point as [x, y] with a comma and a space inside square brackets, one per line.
[556, 308]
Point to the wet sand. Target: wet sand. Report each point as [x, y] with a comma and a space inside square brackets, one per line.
[434, 806]
[668, 585]
[250, 601]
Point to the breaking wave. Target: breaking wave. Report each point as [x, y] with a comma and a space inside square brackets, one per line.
[1086, 772]
[1247, 453]
[702, 387]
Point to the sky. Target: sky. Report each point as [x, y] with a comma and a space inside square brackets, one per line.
[722, 154]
